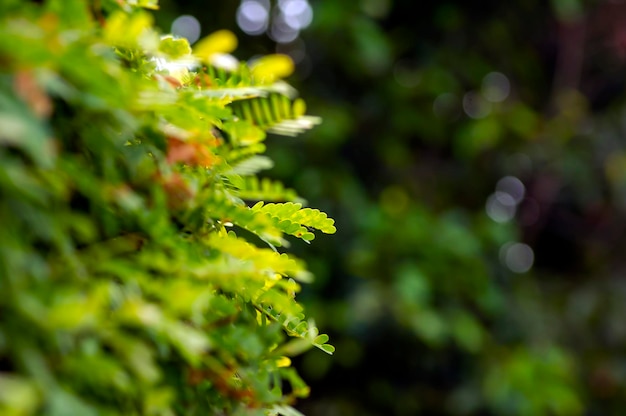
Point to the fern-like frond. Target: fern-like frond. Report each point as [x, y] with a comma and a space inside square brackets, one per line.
[251, 188]
[294, 220]
[294, 127]
[234, 83]
[240, 154]
[252, 165]
[275, 113]
[296, 326]
[274, 107]
[268, 261]
[222, 209]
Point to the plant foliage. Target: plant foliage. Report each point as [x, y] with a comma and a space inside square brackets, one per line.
[140, 268]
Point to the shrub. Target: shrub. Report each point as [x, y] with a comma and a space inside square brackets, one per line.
[142, 264]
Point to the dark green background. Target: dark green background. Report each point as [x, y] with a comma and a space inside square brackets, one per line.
[425, 316]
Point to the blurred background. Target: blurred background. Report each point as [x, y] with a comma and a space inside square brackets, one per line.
[473, 155]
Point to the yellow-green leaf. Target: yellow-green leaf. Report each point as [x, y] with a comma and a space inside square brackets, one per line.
[221, 41]
[283, 362]
[126, 30]
[18, 395]
[327, 348]
[174, 47]
[299, 108]
[272, 67]
[149, 4]
[321, 339]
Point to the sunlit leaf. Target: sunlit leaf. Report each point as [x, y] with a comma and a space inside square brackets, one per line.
[174, 47]
[269, 68]
[221, 41]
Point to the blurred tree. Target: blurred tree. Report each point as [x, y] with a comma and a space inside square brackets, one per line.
[474, 157]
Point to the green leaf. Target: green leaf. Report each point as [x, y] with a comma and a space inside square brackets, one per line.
[269, 68]
[221, 41]
[243, 133]
[321, 339]
[286, 214]
[173, 47]
[327, 348]
[18, 395]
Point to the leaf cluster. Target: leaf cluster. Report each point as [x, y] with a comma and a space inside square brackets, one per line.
[137, 276]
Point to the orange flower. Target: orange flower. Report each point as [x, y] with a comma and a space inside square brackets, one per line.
[30, 91]
[191, 152]
[202, 80]
[169, 80]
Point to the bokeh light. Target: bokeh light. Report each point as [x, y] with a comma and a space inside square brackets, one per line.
[513, 187]
[496, 87]
[253, 16]
[297, 14]
[280, 31]
[282, 23]
[475, 106]
[517, 257]
[500, 207]
[187, 26]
